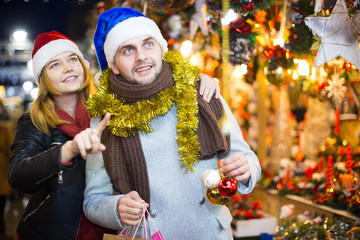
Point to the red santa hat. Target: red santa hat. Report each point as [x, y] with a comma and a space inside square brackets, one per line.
[47, 46]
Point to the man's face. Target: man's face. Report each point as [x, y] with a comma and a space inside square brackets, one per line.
[139, 60]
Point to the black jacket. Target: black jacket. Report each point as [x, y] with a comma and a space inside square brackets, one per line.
[55, 207]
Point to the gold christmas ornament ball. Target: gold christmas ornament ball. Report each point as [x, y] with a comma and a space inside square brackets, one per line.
[213, 195]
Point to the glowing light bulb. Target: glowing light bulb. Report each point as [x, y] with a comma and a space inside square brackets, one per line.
[303, 68]
[185, 48]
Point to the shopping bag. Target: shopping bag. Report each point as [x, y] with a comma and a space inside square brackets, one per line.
[118, 237]
[125, 233]
[157, 235]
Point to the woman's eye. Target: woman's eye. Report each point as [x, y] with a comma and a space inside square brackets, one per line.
[54, 65]
[73, 59]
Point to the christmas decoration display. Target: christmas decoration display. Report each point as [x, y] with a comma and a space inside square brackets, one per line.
[316, 228]
[198, 19]
[175, 26]
[314, 89]
[171, 4]
[242, 42]
[214, 5]
[337, 38]
[300, 37]
[318, 6]
[244, 7]
[242, 207]
[336, 89]
[281, 139]
[279, 59]
[250, 6]
[317, 127]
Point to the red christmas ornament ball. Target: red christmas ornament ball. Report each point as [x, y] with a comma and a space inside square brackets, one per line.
[227, 187]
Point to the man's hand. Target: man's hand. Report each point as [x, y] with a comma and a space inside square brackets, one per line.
[130, 208]
[236, 166]
[208, 86]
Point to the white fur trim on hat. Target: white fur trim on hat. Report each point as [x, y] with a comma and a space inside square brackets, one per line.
[49, 51]
[129, 29]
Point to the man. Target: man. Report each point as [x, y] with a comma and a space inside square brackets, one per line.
[162, 136]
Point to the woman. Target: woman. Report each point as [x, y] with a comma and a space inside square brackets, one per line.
[52, 141]
[6, 138]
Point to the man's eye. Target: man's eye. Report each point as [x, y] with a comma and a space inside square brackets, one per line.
[149, 44]
[128, 51]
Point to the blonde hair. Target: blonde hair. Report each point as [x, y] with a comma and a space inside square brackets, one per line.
[42, 110]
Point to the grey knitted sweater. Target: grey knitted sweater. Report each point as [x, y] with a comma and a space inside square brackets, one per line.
[178, 204]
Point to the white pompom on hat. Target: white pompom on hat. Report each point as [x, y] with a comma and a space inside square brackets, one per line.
[49, 45]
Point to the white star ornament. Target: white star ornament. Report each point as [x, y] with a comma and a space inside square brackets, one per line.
[337, 38]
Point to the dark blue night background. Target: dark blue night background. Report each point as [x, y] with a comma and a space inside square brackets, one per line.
[36, 16]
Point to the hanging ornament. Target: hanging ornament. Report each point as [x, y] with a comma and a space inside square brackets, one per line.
[214, 5]
[129, 4]
[242, 42]
[227, 187]
[356, 23]
[210, 178]
[318, 6]
[336, 89]
[100, 7]
[337, 38]
[171, 4]
[250, 6]
[161, 4]
[181, 5]
[214, 196]
[198, 19]
[175, 26]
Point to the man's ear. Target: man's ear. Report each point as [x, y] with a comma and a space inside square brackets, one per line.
[114, 69]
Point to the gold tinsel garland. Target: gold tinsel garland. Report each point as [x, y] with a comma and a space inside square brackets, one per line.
[126, 120]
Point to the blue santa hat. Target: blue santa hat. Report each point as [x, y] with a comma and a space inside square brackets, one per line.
[118, 25]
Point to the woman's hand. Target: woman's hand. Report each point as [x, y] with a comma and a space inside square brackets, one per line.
[208, 86]
[85, 142]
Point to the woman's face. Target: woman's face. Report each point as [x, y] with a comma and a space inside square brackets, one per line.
[65, 73]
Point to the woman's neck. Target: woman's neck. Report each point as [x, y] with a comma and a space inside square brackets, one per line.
[67, 103]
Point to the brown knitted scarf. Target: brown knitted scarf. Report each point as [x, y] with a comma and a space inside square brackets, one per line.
[124, 157]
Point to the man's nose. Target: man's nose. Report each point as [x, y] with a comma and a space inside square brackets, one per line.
[140, 55]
